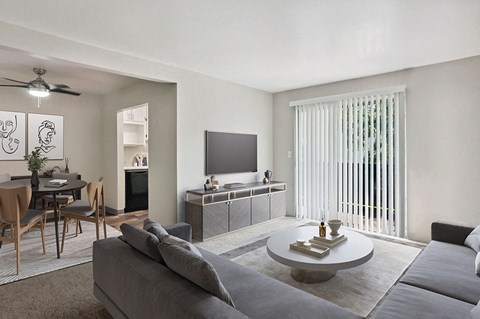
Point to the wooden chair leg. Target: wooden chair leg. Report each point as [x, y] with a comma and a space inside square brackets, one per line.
[77, 225]
[97, 228]
[65, 221]
[17, 246]
[104, 227]
[42, 226]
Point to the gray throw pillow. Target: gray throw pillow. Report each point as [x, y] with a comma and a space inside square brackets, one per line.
[473, 240]
[477, 264]
[141, 240]
[194, 268]
[476, 311]
[154, 228]
[172, 240]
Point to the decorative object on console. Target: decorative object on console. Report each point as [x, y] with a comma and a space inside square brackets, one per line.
[35, 162]
[268, 177]
[334, 225]
[214, 182]
[207, 185]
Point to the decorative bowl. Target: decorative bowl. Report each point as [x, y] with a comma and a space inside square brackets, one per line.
[334, 225]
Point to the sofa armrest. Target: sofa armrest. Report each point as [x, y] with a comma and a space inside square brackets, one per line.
[180, 230]
[450, 233]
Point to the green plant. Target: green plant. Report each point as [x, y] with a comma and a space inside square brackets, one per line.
[35, 160]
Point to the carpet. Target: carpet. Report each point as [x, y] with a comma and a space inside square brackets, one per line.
[77, 250]
[357, 289]
[65, 293]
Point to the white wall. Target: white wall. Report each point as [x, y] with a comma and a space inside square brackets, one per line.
[214, 105]
[200, 100]
[82, 129]
[443, 139]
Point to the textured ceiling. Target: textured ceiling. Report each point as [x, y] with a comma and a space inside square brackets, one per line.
[273, 45]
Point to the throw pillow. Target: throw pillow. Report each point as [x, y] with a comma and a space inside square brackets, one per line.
[473, 240]
[477, 264]
[141, 240]
[476, 311]
[154, 228]
[172, 240]
[194, 268]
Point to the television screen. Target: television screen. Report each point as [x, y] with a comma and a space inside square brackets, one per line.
[230, 153]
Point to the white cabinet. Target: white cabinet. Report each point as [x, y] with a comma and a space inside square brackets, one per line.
[135, 129]
[137, 114]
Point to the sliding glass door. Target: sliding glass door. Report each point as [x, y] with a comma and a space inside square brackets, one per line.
[350, 160]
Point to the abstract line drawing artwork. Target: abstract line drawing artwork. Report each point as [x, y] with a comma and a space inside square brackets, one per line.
[45, 133]
[12, 134]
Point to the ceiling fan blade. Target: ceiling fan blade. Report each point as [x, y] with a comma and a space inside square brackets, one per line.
[57, 86]
[65, 92]
[15, 86]
[15, 81]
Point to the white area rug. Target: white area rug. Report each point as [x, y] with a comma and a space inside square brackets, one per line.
[77, 250]
[357, 289]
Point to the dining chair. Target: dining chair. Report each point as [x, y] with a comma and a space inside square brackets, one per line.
[4, 178]
[91, 210]
[14, 212]
[62, 199]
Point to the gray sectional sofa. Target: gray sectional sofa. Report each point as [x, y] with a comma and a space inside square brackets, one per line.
[441, 283]
[132, 285]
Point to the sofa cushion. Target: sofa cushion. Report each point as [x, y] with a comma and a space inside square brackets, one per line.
[172, 240]
[154, 228]
[141, 240]
[476, 311]
[148, 289]
[259, 296]
[194, 268]
[477, 264]
[447, 269]
[405, 301]
[473, 240]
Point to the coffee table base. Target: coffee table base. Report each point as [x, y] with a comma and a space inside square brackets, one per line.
[312, 277]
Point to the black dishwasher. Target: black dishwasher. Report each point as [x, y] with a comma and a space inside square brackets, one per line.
[136, 190]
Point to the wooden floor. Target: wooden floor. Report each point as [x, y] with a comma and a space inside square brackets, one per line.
[132, 218]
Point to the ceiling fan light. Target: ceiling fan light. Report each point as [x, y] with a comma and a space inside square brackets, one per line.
[38, 92]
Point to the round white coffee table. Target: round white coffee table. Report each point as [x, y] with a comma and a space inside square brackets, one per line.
[354, 251]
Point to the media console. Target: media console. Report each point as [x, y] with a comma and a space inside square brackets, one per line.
[216, 212]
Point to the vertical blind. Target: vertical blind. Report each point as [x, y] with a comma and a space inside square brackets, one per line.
[350, 160]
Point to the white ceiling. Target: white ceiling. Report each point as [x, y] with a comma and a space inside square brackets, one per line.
[273, 45]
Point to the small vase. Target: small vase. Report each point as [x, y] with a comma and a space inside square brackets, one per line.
[67, 170]
[34, 180]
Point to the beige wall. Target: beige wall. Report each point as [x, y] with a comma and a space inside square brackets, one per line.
[202, 103]
[210, 104]
[161, 99]
[82, 129]
[443, 139]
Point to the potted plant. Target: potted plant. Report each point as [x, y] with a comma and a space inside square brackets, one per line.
[35, 162]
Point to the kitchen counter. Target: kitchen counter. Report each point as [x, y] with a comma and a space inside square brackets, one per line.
[135, 167]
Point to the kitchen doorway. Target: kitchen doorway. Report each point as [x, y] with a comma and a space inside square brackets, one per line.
[133, 157]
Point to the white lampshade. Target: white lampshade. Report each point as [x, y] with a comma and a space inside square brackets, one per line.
[38, 92]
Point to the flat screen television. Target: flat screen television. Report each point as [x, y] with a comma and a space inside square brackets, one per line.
[230, 153]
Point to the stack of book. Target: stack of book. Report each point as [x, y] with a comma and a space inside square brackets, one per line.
[328, 240]
[56, 183]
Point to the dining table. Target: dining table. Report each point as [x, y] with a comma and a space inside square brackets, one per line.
[44, 189]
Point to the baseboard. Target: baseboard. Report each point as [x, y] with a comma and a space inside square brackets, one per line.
[113, 211]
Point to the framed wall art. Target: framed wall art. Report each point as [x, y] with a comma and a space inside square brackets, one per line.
[45, 132]
[13, 135]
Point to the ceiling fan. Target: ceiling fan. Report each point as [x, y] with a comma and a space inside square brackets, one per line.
[39, 87]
